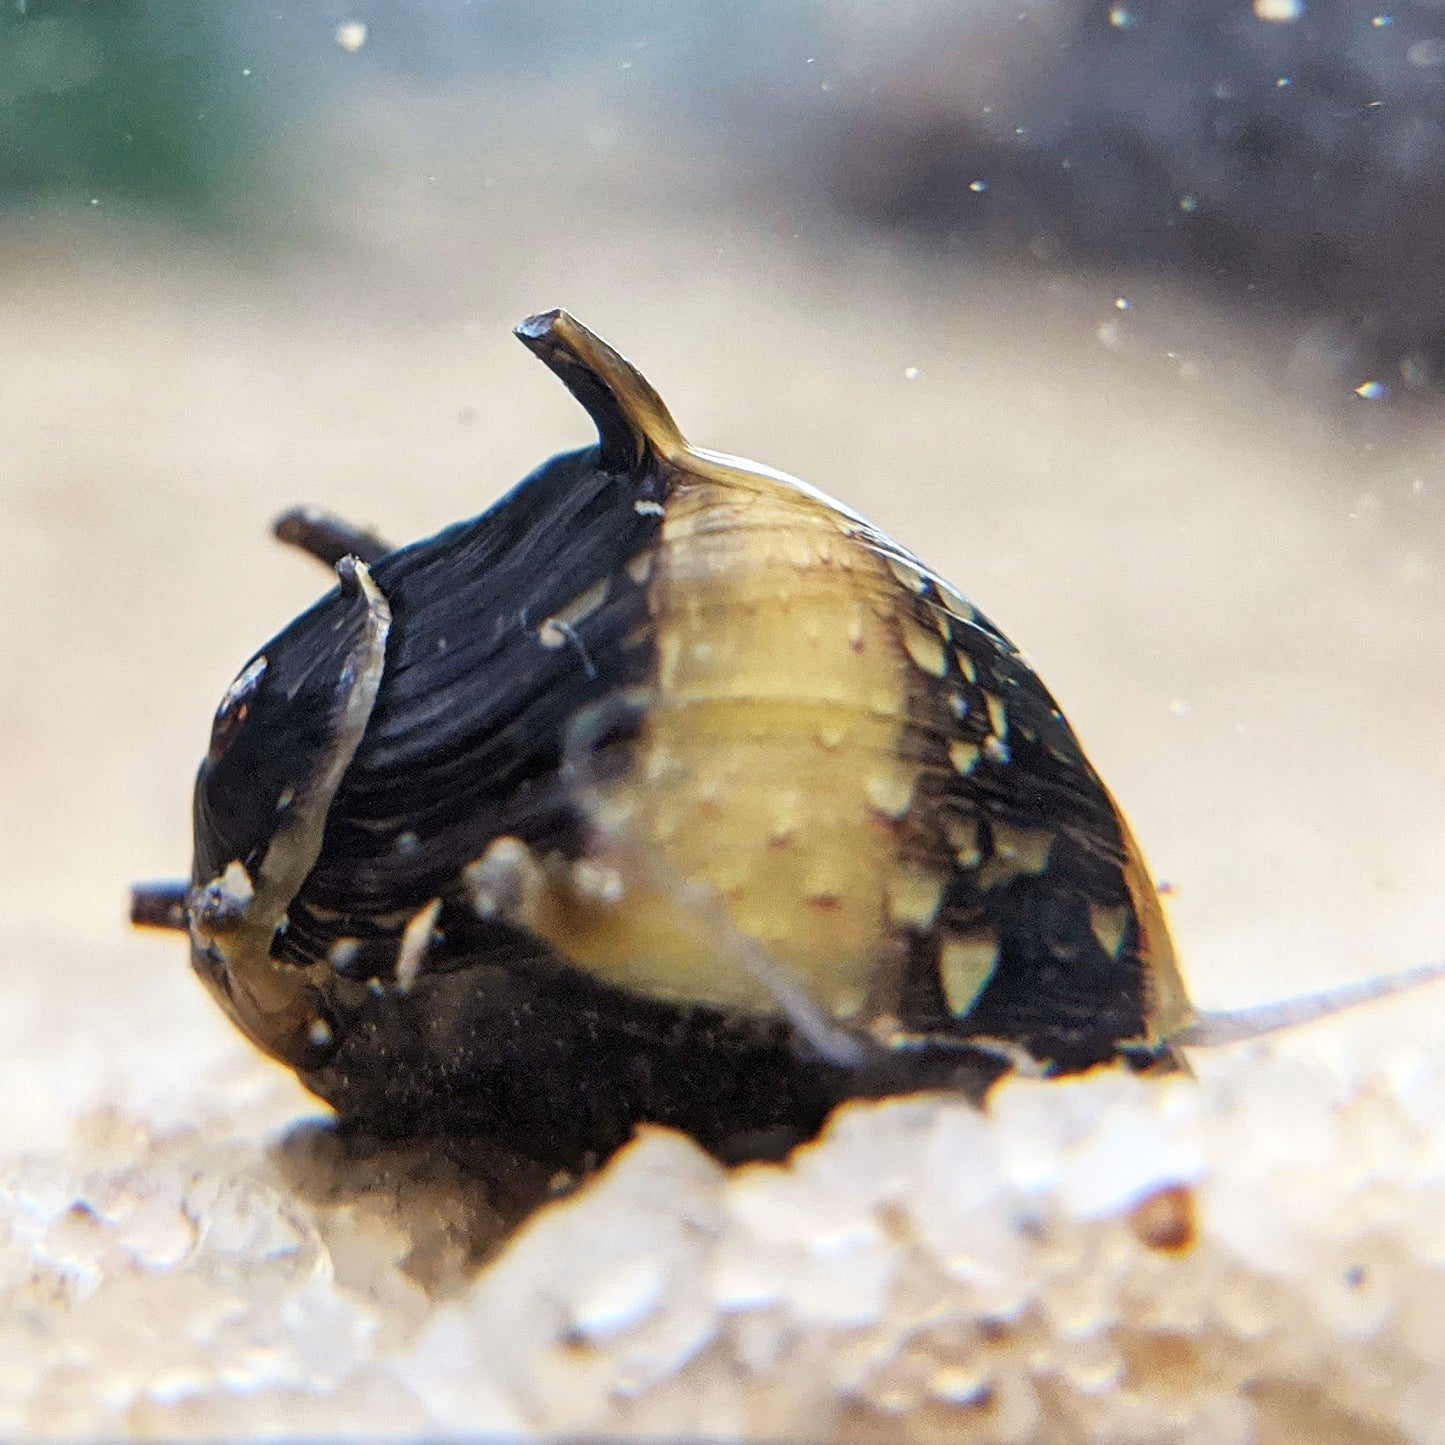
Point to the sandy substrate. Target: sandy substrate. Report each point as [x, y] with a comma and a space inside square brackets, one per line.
[1236, 590]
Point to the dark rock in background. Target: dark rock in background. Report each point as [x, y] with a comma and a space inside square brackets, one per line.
[1290, 157]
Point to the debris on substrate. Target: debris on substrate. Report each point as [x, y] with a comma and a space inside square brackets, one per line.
[1259, 1255]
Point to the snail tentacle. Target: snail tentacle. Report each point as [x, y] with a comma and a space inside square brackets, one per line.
[1210, 1028]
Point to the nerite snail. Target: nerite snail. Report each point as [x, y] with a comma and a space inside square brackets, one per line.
[667, 789]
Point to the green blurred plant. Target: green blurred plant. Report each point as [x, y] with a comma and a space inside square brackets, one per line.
[142, 100]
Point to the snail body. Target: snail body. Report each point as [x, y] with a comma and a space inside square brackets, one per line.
[667, 789]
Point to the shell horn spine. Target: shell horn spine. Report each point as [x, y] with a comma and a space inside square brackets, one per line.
[630, 417]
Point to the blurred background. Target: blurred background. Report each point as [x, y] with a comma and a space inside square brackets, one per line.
[1129, 318]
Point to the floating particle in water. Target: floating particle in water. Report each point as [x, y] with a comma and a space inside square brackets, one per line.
[1278, 12]
[978, 187]
[351, 35]
[1414, 372]
[910, 373]
[1370, 390]
[1121, 19]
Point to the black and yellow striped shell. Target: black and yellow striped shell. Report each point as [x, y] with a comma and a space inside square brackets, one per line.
[667, 789]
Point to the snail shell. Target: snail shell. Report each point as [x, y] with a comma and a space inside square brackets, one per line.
[667, 789]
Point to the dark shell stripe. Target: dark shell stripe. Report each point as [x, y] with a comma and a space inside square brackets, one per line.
[268, 740]
[1036, 914]
[495, 722]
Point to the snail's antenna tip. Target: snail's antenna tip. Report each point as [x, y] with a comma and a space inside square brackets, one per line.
[1210, 1029]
